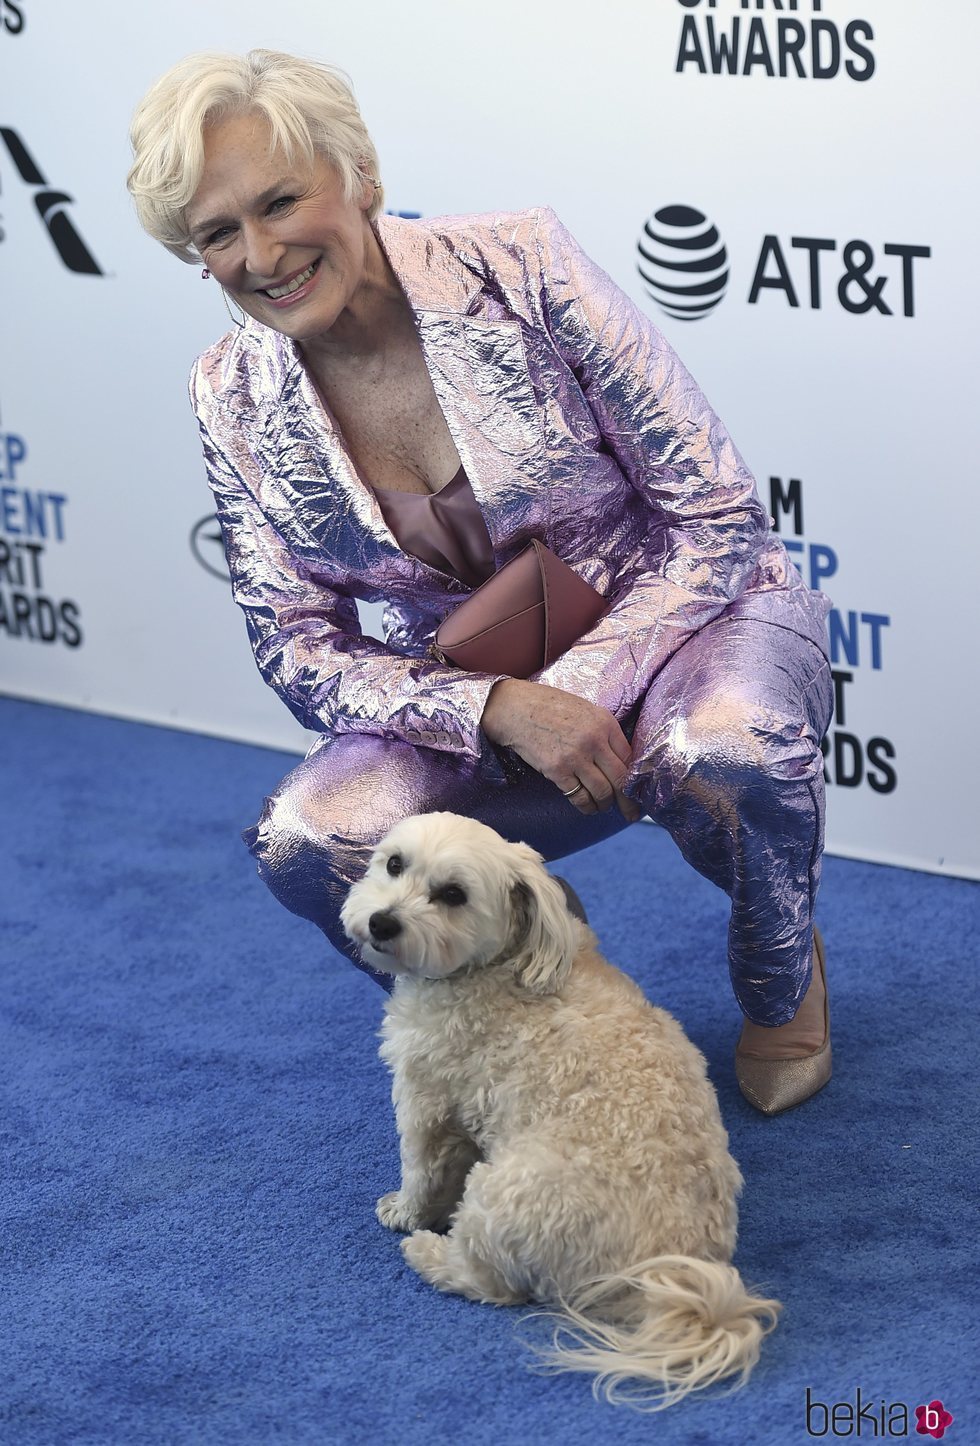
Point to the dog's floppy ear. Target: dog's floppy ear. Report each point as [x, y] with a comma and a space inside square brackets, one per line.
[545, 934]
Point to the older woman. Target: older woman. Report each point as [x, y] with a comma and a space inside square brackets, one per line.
[403, 406]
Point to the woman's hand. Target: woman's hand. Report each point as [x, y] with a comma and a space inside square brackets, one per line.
[567, 739]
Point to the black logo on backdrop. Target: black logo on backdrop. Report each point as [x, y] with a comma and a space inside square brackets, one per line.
[856, 643]
[208, 548]
[51, 209]
[772, 44]
[845, 272]
[11, 17]
[858, 288]
[683, 262]
[30, 521]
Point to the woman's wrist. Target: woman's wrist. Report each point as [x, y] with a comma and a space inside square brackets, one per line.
[498, 708]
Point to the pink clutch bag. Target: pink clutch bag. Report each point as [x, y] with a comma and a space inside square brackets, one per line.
[522, 618]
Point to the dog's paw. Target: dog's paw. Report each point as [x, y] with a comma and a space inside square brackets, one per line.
[393, 1213]
[425, 1252]
[440, 1261]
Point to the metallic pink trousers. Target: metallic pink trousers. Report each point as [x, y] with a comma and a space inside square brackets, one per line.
[726, 756]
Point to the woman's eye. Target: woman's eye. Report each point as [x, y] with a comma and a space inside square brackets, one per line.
[394, 864]
[453, 895]
[217, 237]
[283, 201]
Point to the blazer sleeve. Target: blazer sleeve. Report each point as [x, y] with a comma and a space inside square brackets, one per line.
[710, 525]
[306, 635]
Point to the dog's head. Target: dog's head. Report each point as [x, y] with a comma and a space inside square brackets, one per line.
[444, 893]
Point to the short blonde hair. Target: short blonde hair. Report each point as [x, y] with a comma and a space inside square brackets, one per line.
[310, 109]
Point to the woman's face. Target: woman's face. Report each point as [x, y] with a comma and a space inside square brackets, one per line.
[261, 224]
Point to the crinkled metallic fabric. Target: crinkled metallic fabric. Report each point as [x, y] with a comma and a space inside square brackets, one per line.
[726, 755]
[575, 422]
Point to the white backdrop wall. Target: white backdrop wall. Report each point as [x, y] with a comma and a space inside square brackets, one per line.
[826, 141]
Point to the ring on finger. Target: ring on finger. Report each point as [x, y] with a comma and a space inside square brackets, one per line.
[572, 790]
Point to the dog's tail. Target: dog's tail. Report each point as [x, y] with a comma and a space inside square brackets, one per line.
[660, 1329]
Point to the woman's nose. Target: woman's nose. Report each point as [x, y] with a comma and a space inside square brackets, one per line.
[263, 251]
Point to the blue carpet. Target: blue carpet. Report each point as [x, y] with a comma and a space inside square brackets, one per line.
[196, 1125]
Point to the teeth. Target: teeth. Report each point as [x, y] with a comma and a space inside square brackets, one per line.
[277, 291]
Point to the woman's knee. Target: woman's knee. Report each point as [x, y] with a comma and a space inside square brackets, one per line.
[318, 825]
[743, 702]
[728, 744]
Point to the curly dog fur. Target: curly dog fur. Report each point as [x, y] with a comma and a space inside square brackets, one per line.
[558, 1128]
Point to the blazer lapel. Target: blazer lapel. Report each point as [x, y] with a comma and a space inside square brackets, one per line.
[480, 377]
[474, 352]
[314, 487]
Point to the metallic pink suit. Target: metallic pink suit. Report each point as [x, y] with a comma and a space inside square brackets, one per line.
[576, 423]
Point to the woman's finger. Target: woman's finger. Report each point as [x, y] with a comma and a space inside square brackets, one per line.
[582, 800]
[577, 794]
[601, 788]
[604, 779]
[568, 789]
[630, 810]
[620, 745]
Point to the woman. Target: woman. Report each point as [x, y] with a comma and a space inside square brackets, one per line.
[406, 405]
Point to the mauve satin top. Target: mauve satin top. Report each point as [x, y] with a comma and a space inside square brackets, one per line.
[445, 528]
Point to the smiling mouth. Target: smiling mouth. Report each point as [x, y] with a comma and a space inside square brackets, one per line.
[276, 293]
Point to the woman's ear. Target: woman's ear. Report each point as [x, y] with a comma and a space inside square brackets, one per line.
[544, 933]
[368, 187]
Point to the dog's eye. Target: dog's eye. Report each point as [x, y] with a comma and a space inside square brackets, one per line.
[395, 864]
[452, 894]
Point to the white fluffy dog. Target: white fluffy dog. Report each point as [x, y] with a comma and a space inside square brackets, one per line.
[562, 1127]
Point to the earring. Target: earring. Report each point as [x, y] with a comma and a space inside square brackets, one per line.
[229, 310]
[205, 274]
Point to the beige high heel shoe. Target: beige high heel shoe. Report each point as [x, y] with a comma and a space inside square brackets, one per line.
[774, 1085]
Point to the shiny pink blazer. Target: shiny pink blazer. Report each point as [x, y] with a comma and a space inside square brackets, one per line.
[576, 423]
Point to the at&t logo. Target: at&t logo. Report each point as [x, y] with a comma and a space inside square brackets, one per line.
[684, 265]
[683, 262]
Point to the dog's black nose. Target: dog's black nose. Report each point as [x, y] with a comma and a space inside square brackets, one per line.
[384, 925]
